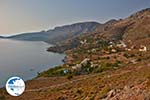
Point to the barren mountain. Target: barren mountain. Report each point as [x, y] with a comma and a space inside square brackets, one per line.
[134, 27]
[58, 34]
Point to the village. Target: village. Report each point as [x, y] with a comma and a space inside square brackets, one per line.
[119, 49]
[107, 56]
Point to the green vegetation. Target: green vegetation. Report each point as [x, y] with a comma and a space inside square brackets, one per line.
[104, 92]
[107, 66]
[2, 98]
[56, 71]
[103, 67]
[128, 55]
[69, 76]
[2, 92]
[85, 69]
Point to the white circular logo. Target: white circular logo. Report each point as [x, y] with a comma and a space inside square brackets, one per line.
[15, 86]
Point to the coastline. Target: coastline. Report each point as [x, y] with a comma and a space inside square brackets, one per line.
[51, 66]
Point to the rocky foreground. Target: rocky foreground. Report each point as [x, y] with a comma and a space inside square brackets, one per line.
[131, 82]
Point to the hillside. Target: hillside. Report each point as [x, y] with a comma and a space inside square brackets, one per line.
[110, 63]
[74, 42]
[129, 83]
[134, 27]
[58, 34]
[1, 37]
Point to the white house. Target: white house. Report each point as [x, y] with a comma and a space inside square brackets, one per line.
[143, 48]
[122, 44]
[83, 42]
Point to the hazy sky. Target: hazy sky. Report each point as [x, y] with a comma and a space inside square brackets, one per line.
[17, 16]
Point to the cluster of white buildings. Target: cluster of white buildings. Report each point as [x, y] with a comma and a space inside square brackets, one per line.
[83, 42]
[121, 44]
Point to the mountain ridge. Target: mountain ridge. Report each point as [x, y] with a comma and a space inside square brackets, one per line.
[58, 33]
[134, 27]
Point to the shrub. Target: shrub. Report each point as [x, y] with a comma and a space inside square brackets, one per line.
[103, 67]
[117, 64]
[2, 98]
[127, 55]
[104, 92]
[139, 59]
[106, 66]
[69, 76]
[56, 71]
[79, 91]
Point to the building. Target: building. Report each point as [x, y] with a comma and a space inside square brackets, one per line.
[143, 48]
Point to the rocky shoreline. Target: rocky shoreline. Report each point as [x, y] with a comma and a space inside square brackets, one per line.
[57, 49]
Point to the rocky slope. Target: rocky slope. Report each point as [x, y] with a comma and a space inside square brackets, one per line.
[131, 82]
[115, 45]
[73, 42]
[58, 34]
[131, 28]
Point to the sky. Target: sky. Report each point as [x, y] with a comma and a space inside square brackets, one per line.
[20, 16]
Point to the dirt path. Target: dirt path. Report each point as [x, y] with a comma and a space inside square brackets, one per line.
[73, 81]
[62, 84]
